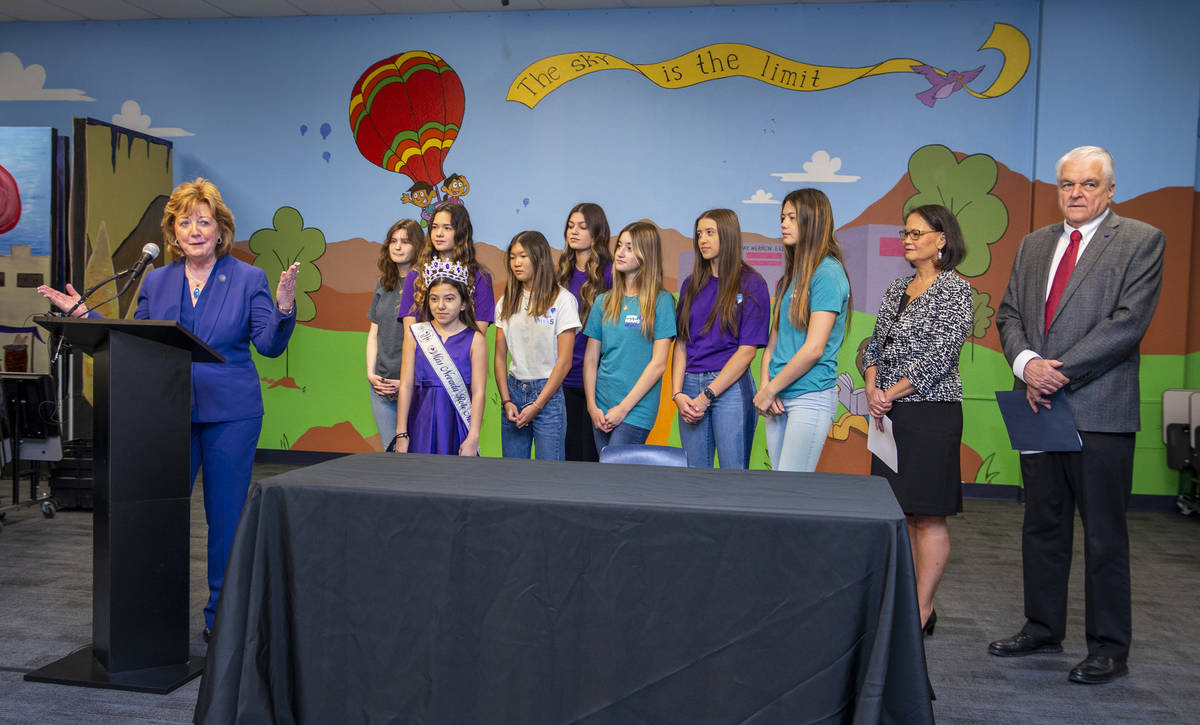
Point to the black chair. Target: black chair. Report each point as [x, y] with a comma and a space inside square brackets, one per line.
[1181, 422]
[644, 455]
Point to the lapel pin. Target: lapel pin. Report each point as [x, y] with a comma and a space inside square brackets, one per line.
[221, 277]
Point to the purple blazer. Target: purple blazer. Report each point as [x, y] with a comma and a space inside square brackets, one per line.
[240, 311]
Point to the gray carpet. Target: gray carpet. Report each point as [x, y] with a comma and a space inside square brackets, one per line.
[45, 613]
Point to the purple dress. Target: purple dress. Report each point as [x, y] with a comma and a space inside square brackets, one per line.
[434, 425]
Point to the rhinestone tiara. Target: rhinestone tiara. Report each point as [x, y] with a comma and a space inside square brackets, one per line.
[442, 269]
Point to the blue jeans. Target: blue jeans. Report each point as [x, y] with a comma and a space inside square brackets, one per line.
[727, 427]
[546, 434]
[621, 435]
[795, 438]
[384, 411]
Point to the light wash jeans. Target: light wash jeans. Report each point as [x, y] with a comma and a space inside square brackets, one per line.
[547, 434]
[621, 435]
[384, 411]
[727, 427]
[795, 438]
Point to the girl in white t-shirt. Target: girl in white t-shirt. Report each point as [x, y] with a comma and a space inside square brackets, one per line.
[536, 320]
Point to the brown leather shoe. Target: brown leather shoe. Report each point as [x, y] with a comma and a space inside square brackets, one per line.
[1021, 644]
[1097, 670]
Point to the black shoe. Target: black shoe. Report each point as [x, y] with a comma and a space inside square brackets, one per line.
[928, 628]
[207, 634]
[1097, 670]
[1021, 644]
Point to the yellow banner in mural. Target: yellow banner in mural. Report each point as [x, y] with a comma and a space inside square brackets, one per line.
[736, 60]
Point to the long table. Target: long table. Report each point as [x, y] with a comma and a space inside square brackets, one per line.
[438, 589]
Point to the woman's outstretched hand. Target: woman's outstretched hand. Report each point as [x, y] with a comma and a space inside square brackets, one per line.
[285, 293]
[63, 300]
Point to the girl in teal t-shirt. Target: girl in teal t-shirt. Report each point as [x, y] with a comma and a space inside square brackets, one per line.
[799, 393]
[630, 328]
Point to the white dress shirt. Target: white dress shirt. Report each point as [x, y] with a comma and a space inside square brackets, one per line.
[1088, 231]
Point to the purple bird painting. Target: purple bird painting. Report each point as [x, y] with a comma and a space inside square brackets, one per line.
[942, 86]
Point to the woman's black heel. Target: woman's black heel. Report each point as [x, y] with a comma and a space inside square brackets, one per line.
[928, 630]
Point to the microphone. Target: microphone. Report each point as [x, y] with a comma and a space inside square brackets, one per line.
[149, 254]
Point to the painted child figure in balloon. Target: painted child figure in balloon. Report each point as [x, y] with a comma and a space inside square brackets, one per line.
[423, 196]
[455, 187]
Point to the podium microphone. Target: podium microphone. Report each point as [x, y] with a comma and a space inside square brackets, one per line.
[149, 254]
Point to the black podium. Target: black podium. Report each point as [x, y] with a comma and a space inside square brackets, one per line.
[140, 559]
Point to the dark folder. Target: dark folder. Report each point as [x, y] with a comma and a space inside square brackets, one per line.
[1050, 429]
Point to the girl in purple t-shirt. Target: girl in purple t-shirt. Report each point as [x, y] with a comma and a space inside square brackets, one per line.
[585, 269]
[451, 239]
[722, 320]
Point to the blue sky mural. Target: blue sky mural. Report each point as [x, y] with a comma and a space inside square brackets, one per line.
[642, 150]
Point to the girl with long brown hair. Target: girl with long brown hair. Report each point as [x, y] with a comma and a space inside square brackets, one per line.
[722, 320]
[585, 269]
[812, 303]
[630, 330]
[385, 338]
[451, 239]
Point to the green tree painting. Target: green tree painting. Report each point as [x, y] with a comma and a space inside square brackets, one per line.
[981, 313]
[287, 242]
[964, 187]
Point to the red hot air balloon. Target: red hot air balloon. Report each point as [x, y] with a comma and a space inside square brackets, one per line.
[405, 113]
[10, 201]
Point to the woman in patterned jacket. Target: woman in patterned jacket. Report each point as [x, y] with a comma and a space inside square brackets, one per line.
[912, 378]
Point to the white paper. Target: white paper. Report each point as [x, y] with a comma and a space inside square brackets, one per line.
[883, 443]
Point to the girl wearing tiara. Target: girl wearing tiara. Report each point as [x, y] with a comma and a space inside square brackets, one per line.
[451, 239]
[536, 320]
[444, 369]
[585, 268]
[630, 329]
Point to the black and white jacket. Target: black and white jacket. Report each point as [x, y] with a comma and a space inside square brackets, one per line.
[923, 342]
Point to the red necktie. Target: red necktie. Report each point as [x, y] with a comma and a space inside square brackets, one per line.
[1062, 275]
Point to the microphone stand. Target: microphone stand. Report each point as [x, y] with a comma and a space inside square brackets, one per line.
[89, 293]
[92, 290]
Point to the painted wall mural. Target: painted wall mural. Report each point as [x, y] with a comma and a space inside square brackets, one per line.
[405, 113]
[712, 111]
[27, 225]
[122, 179]
[738, 60]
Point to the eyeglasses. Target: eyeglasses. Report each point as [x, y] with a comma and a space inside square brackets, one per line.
[914, 234]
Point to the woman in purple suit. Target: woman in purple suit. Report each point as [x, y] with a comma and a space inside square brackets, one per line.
[226, 303]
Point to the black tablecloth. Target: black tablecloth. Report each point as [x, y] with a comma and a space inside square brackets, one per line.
[438, 589]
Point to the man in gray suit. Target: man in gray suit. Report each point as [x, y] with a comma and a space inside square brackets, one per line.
[1078, 303]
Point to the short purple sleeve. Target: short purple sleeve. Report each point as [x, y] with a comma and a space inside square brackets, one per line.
[755, 322]
[485, 298]
[406, 297]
